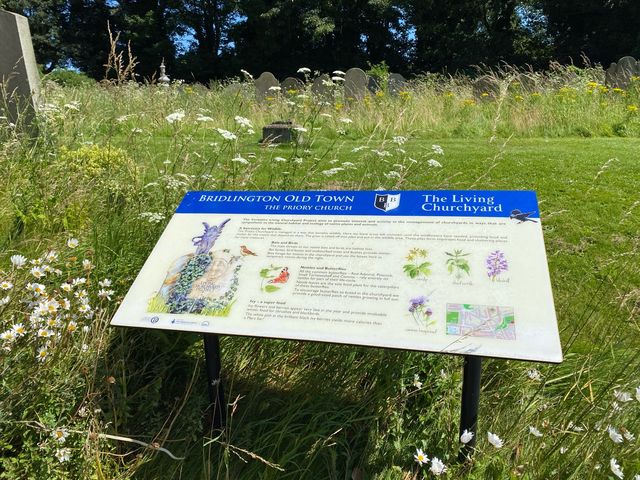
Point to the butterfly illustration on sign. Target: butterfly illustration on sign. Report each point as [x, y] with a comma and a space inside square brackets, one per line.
[521, 216]
[274, 278]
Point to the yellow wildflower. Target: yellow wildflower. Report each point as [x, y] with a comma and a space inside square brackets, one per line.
[632, 108]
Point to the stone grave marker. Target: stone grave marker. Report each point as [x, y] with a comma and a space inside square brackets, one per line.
[610, 74]
[355, 84]
[486, 87]
[291, 86]
[373, 85]
[19, 78]
[320, 87]
[280, 132]
[264, 82]
[397, 83]
[626, 68]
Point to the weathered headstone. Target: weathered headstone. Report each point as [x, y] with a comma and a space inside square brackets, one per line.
[373, 85]
[626, 69]
[397, 83]
[280, 132]
[486, 86]
[610, 74]
[291, 86]
[320, 87]
[264, 83]
[355, 84]
[19, 79]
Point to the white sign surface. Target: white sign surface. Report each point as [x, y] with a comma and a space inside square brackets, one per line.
[460, 272]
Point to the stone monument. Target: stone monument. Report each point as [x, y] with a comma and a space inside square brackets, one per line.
[19, 78]
[264, 82]
[355, 84]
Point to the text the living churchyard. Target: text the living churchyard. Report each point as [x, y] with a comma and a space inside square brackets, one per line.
[460, 203]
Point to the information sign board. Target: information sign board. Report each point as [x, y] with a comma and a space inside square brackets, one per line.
[461, 272]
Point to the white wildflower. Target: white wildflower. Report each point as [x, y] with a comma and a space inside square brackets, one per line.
[437, 467]
[638, 393]
[279, 159]
[242, 121]
[239, 159]
[104, 293]
[246, 74]
[338, 72]
[86, 264]
[105, 283]
[335, 78]
[357, 149]
[4, 301]
[332, 171]
[416, 381]
[18, 261]
[203, 118]
[275, 88]
[37, 272]
[534, 374]
[8, 336]
[628, 436]
[534, 431]
[175, 116]
[400, 140]
[345, 120]
[42, 354]
[60, 435]
[437, 150]
[63, 454]
[466, 436]
[622, 396]
[392, 174]
[226, 134]
[563, 450]
[434, 163]
[72, 243]
[300, 129]
[420, 457]
[615, 468]
[6, 285]
[304, 70]
[495, 440]
[614, 435]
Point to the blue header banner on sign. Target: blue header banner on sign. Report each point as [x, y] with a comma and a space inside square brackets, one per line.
[518, 204]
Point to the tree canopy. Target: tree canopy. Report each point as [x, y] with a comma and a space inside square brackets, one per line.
[210, 39]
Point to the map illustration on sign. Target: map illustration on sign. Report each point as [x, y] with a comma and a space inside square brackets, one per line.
[436, 271]
[481, 321]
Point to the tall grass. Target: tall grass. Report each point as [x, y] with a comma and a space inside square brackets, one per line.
[108, 168]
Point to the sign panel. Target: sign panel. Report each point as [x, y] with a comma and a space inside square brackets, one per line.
[460, 272]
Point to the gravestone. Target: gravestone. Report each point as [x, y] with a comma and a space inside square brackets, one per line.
[397, 83]
[19, 79]
[264, 82]
[486, 86]
[373, 86]
[320, 87]
[526, 82]
[620, 74]
[355, 84]
[291, 86]
[280, 132]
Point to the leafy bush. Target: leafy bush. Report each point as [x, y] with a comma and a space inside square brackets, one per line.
[69, 78]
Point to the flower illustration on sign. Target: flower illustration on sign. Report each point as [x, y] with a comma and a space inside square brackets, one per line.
[496, 264]
[420, 310]
[418, 266]
[457, 264]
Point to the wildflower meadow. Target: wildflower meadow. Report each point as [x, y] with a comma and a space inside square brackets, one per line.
[87, 194]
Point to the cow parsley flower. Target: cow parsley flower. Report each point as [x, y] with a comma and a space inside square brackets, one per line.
[226, 134]
[437, 149]
[332, 171]
[615, 468]
[434, 163]
[304, 70]
[420, 457]
[175, 117]
[437, 467]
[240, 159]
[345, 120]
[336, 78]
[279, 159]
[338, 72]
[243, 122]
[466, 436]
[495, 440]
[203, 118]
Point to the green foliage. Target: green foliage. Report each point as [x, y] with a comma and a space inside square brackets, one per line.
[456, 264]
[69, 78]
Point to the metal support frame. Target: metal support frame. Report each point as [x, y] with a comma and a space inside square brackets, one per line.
[217, 411]
[472, 371]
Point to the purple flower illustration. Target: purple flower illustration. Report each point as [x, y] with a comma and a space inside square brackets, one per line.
[496, 264]
[420, 311]
[416, 303]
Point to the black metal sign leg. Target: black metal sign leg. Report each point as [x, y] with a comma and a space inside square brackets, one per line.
[470, 400]
[217, 411]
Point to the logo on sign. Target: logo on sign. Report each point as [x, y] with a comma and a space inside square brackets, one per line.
[387, 202]
[154, 319]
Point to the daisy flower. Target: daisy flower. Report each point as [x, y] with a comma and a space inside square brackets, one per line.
[420, 457]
